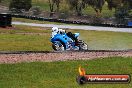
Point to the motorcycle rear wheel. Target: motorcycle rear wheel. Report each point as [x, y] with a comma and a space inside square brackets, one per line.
[83, 45]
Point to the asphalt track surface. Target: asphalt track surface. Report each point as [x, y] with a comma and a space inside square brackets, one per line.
[82, 27]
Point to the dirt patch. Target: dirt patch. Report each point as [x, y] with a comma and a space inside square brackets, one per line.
[59, 56]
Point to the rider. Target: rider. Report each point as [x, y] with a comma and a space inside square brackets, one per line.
[56, 30]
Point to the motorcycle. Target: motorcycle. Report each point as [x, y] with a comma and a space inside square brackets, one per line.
[61, 42]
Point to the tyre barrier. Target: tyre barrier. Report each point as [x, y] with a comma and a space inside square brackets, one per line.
[70, 22]
[5, 20]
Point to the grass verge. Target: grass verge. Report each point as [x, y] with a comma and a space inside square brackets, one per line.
[25, 38]
[62, 74]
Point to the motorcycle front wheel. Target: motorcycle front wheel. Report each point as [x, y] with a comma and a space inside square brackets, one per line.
[58, 46]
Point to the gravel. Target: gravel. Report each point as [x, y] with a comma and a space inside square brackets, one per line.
[60, 56]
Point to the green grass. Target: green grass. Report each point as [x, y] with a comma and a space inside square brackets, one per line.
[62, 74]
[39, 39]
[105, 11]
[107, 40]
[19, 42]
[42, 3]
[24, 29]
[16, 40]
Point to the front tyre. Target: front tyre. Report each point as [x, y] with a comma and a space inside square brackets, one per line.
[58, 46]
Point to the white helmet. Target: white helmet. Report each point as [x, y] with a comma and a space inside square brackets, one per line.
[55, 29]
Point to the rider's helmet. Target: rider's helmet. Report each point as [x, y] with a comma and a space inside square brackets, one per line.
[55, 29]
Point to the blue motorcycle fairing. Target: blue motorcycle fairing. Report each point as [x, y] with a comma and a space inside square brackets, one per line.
[67, 41]
[77, 34]
[63, 38]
